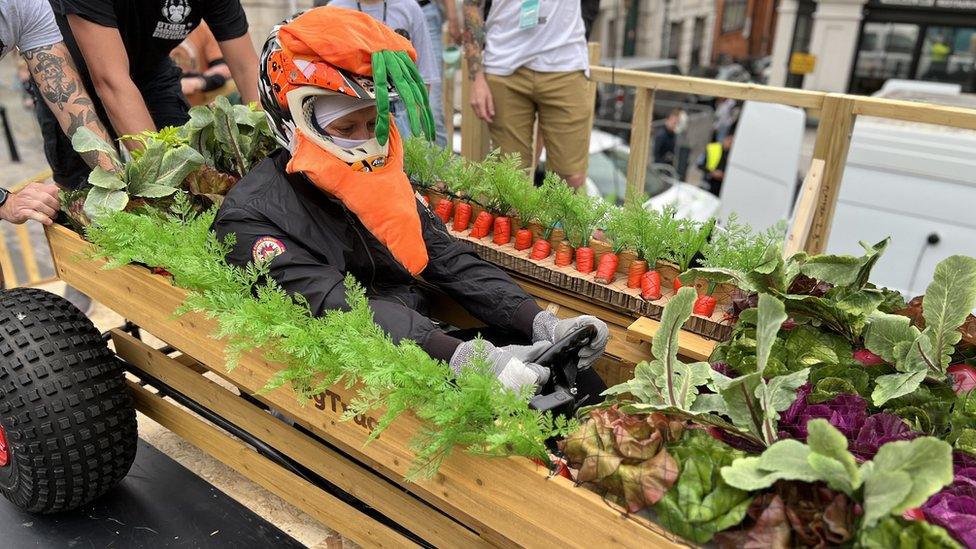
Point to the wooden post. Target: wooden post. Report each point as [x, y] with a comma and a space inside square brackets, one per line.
[594, 48]
[447, 96]
[832, 145]
[27, 254]
[805, 209]
[640, 143]
[474, 132]
[8, 276]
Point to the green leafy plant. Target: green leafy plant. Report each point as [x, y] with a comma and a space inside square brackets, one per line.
[156, 171]
[471, 410]
[507, 184]
[735, 246]
[232, 138]
[427, 164]
[686, 241]
[645, 232]
[902, 475]
[581, 216]
[553, 196]
[919, 354]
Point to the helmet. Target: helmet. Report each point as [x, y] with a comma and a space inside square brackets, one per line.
[288, 86]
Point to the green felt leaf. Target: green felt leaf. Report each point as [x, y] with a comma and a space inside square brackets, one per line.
[175, 165]
[832, 472]
[104, 201]
[103, 179]
[892, 386]
[885, 332]
[949, 299]
[741, 405]
[155, 191]
[785, 460]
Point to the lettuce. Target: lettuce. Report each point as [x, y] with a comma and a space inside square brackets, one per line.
[898, 533]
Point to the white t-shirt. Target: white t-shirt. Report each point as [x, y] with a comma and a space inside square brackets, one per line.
[556, 44]
[26, 25]
[404, 15]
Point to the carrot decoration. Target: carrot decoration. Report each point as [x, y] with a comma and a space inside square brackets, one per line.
[541, 249]
[564, 254]
[607, 268]
[482, 225]
[584, 259]
[650, 284]
[676, 284]
[503, 230]
[704, 305]
[443, 209]
[462, 216]
[637, 269]
[523, 239]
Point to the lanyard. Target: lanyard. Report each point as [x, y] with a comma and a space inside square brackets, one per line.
[360, 8]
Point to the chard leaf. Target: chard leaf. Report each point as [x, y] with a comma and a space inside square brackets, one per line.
[948, 301]
[228, 134]
[103, 179]
[772, 314]
[845, 270]
[926, 466]
[665, 349]
[891, 386]
[104, 201]
[84, 140]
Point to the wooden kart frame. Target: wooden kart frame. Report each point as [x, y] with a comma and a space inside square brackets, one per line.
[471, 501]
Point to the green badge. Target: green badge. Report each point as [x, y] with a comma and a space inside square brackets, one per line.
[529, 16]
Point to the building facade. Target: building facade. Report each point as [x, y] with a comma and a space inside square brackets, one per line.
[860, 44]
[657, 29]
[743, 29]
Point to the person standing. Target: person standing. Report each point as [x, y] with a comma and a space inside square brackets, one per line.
[29, 26]
[407, 19]
[122, 52]
[666, 138]
[529, 59]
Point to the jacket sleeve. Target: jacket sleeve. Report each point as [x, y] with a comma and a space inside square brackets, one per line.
[298, 271]
[482, 288]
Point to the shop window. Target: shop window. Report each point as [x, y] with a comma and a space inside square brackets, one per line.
[949, 55]
[734, 15]
[698, 42]
[674, 41]
[885, 52]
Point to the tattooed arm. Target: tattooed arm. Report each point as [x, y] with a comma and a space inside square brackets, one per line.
[60, 86]
[474, 43]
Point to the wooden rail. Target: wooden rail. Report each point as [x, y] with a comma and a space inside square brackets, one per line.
[837, 114]
[27, 252]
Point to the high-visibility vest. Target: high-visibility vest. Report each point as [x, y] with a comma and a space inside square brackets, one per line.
[940, 52]
[713, 155]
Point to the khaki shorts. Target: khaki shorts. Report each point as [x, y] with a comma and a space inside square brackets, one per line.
[562, 104]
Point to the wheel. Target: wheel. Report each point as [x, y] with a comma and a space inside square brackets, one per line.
[67, 422]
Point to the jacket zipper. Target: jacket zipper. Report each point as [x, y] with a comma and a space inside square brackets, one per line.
[372, 278]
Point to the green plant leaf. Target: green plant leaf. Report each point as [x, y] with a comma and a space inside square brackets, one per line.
[829, 443]
[924, 465]
[176, 164]
[101, 202]
[741, 405]
[898, 533]
[103, 179]
[777, 395]
[785, 460]
[155, 191]
[892, 386]
[84, 140]
[845, 270]
[883, 491]
[772, 314]
[885, 332]
[949, 299]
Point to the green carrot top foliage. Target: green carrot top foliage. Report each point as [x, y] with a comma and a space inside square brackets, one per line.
[582, 214]
[688, 238]
[735, 246]
[427, 164]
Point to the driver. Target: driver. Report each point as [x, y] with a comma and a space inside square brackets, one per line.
[336, 201]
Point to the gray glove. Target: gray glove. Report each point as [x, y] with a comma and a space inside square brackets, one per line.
[546, 327]
[511, 365]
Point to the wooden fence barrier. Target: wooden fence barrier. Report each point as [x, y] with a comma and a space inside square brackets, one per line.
[837, 114]
[28, 253]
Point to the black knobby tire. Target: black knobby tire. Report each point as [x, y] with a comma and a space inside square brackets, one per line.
[68, 417]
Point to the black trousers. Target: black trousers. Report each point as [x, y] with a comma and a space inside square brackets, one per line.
[163, 98]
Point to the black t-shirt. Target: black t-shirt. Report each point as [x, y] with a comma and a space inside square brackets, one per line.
[150, 29]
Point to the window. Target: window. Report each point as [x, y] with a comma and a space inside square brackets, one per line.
[949, 55]
[885, 52]
[674, 41]
[734, 15]
[698, 42]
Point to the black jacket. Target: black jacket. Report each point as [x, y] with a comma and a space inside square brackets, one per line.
[323, 241]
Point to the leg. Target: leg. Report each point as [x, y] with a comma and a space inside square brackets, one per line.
[563, 120]
[511, 130]
[435, 25]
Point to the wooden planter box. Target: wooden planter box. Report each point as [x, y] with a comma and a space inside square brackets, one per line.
[471, 501]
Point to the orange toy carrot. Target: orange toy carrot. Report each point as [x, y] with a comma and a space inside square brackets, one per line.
[503, 230]
[462, 216]
[564, 254]
[523, 239]
[584, 259]
[607, 268]
[634, 273]
[482, 225]
[541, 249]
[651, 285]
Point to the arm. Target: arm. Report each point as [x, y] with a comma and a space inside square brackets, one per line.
[480, 287]
[453, 27]
[474, 43]
[298, 271]
[108, 64]
[57, 79]
[243, 62]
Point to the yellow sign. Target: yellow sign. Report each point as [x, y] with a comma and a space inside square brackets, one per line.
[802, 63]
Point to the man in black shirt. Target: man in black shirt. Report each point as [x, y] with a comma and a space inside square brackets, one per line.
[122, 51]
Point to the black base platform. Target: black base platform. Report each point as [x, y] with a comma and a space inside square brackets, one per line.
[160, 504]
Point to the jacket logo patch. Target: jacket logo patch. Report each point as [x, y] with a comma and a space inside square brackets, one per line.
[267, 248]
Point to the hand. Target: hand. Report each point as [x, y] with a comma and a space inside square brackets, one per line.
[481, 100]
[192, 84]
[509, 364]
[37, 201]
[546, 327]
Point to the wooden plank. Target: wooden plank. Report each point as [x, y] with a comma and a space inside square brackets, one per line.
[474, 132]
[27, 253]
[508, 501]
[326, 508]
[690, 345]
[705, 86]
[832, 146]
[43, 175]
[8, 275]
[914, 111]
[640, 143]
[363, 484]
[805, 208]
